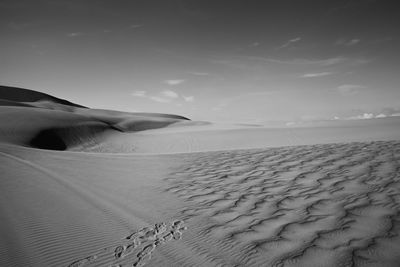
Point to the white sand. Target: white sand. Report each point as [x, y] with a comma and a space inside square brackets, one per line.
[262, 200]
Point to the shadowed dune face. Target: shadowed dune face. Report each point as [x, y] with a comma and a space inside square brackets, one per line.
[64, 138]
[48, 139]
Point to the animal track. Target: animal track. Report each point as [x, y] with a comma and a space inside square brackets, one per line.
[137, 247]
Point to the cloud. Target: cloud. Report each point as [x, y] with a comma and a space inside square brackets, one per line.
[188, 98]
[291, 41]
[349, 89]
[199, 73]
[75, 34]
[255, 44]
[390, 111]
[169, 94]
[139, 93]
[174, 82]
[314, 75]
[347, 42]
[380, 116]
[160, 99]
[165, 96]
[366, 116]
[295, 61]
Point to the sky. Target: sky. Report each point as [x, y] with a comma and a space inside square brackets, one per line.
[213, 60]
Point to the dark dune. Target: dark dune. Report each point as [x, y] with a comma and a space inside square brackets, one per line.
[26, 95]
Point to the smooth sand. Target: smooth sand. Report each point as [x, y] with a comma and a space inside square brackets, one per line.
[158, 190]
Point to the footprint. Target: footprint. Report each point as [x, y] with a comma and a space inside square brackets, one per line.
[177, 235]
[168, 236]
[177, 224]
[142, 261]
[159, 241]
[118, 251]
[130, 247]
[160, 228]
[83, 261]
[146, 250]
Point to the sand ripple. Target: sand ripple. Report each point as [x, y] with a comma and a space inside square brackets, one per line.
[320, 205]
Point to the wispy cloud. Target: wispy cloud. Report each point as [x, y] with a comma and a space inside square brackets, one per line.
[174, 82]
[349, 89]
[188, 98]
[381, 115]
[138, 93]
[160, 99]
[250, 62]
[169, 94]
[75, 34]
[295, 61]
[165, 96]
[255, 44]
[291, 41]
[364, 116]
[199, 73]
[345, 42]
[315, 75]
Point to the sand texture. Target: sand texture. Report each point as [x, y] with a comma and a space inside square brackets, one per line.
[324, 205]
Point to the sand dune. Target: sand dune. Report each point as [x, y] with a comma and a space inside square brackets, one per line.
[39, 120]
[84, 187]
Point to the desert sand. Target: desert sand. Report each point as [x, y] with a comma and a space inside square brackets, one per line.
[87, 187]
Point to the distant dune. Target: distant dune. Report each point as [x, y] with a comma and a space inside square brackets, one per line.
[90, 187]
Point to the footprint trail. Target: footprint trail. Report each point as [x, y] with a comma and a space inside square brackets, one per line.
[135, 249]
